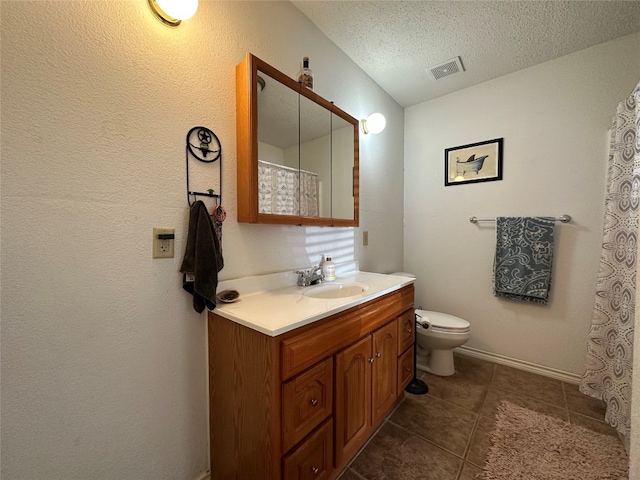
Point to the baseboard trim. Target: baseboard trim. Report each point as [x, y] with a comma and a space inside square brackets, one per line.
[520, 364]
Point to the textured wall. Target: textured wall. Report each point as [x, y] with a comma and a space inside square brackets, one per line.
[103, 358]
[554, 119]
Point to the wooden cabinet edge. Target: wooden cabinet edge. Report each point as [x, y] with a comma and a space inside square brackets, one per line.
[244, 401]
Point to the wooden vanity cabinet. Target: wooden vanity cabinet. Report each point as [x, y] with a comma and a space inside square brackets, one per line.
[300, 405]
[366, 374]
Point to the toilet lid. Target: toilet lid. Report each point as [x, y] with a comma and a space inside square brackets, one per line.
[444, 322]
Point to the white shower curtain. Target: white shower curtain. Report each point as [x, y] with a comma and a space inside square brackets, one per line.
[287, 191]
[609, 361]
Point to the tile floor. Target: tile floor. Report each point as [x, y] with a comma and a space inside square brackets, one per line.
[445, 435]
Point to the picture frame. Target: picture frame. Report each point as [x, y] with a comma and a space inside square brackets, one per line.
[473, 163]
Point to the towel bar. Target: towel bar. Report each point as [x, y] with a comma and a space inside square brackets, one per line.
[561, 218]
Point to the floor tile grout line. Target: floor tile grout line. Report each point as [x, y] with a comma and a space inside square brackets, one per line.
[386, 419]
[467, 447]
[477, 415]
[426, 440]
[382, 424]
[499, 388]
[355, 472]
[475, 426]
[578, 414]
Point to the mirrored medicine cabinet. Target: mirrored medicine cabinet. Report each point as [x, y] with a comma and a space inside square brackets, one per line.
[298, 156]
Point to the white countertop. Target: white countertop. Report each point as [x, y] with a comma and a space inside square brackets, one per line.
[273, 304]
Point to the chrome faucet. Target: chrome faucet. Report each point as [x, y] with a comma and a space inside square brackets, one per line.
[310, 276]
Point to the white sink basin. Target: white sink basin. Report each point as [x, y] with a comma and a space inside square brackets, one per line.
[336, 290]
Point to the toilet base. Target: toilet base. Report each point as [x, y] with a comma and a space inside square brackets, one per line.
[437, 362]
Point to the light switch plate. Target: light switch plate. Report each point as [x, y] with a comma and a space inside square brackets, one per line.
[163, 248]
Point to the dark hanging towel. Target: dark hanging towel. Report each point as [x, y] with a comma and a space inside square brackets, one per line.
[524, 255]
[202, 258]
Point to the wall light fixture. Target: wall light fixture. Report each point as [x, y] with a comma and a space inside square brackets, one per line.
[172, 12]
[374, 123]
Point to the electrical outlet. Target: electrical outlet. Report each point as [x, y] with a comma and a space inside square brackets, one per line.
[163, 247]
[365, 237]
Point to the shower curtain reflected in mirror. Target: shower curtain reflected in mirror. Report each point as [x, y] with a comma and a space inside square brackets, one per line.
[609, 361]
[287, 191]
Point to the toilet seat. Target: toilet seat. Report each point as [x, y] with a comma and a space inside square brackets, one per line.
[442, 322]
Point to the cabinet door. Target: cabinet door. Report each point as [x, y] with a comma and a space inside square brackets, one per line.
[352, 398]
[312, 459]
[385, 370]
[306, 401]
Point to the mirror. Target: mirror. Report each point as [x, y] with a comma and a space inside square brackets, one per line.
[315, 158]
[278, 157]
[297, 152]
[342, 158]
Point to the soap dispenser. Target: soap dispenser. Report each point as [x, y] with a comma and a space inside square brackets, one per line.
[329, 270]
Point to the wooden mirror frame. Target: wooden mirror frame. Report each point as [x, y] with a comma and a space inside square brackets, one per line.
[247, 146]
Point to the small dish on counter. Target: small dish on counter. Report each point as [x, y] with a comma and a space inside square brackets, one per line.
[228, 296]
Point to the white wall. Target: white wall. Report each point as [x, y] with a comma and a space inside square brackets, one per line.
[554, 119]
[103, 359]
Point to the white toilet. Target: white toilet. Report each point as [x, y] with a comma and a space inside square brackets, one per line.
[437, 334]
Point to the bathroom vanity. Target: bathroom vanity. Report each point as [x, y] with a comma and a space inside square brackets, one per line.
[297, 383]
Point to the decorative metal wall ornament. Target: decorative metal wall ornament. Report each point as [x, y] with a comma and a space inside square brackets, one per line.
[203, 145]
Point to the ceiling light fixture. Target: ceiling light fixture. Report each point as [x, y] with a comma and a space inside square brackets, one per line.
[172, 12]
[374, 123]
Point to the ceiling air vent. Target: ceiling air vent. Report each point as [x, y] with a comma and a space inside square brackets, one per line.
[450, 67]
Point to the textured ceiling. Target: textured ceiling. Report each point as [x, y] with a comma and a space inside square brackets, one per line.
[395, 42]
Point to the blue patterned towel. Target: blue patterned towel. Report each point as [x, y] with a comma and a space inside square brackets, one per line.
[524, 254]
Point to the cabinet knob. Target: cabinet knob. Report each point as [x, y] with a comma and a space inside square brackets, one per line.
[371, 360]
[378, 354]
[315, 470]
[408, 370]
[408, 329]
[314, 402]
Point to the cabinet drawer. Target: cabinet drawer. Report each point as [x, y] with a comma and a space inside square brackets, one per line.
[306, 401]
[315, 342]
[405, 369]
[406, 326]
[313, 459]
